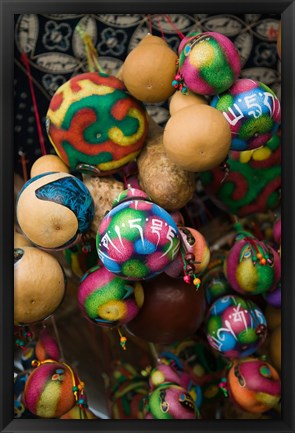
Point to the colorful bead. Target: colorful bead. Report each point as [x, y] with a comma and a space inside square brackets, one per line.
[187, 279]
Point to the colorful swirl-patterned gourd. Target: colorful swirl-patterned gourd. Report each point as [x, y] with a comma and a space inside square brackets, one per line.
[92, 120]
[253, 182]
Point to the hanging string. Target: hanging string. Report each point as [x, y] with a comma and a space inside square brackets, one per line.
[26, 62]
[160, 28]
[90, 50]
[181, 35]
[150, 20]
[154, 353]
[57, 337]
[107, 350]
[23, 162]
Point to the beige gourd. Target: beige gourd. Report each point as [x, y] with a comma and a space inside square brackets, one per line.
[48, 163]
[167, 185]
[197, 138]
[179, 100]
[39, 285]
[149, 70]
[45, 223]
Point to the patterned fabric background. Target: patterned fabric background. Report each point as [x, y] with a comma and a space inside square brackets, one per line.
[56, 53]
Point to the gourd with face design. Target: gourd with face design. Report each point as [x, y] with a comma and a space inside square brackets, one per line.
[49, 390]
[170, 401]
[252, 267]
[254, 385]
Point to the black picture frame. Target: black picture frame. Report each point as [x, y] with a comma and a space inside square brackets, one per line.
[7, 10]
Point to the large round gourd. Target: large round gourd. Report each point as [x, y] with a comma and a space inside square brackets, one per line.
[179, 100]
[168, 185]
[48, 163]
[53, 209]
[39, 285]
[148, 72]
[197, 138]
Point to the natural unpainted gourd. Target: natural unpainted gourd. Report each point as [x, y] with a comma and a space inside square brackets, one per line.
[166, 184]
[197, 138]
[149, 70]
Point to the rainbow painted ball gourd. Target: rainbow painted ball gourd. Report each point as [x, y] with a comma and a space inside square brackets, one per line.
[236, 327]
[106, 299]
[54, 209]
[252, 111]
[48, 391]
[92, 120]
[252, 267]
[209, 63]
[254, 385]
[137, 239]
[253, 182]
